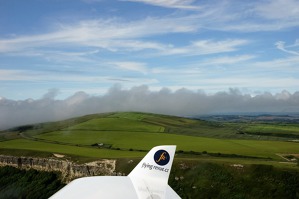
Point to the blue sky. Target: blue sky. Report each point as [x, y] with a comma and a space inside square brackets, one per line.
[91, 45]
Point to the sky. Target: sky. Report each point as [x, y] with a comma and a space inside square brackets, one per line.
[58, 49]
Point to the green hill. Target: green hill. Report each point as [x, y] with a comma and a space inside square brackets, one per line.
[130, 134]
[213, 159]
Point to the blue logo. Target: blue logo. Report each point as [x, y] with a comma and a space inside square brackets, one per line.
[161, 157]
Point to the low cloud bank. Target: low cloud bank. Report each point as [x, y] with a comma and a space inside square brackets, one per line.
[181, 102]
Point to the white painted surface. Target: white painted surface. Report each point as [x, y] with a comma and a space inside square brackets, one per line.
[148, 180]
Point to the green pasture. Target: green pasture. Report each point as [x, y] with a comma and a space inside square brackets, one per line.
[145, 141]
[23, 144]
[131, 132]
[206, 150]
[273, 128]
[117, 124]
[132, 115]
[144, 122]
[157, 123]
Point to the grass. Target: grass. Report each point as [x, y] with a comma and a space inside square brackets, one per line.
[145, 141]
[203, 166]
[286, 131]
[273, 128]
[141, 131]
[24, 144]
[116, 124]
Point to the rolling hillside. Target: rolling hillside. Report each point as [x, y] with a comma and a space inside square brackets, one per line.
[213, 159]
[129, 135]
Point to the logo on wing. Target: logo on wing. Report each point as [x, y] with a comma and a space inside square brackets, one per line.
[161, 157]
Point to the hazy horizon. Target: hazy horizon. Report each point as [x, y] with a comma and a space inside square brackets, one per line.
[182, 102]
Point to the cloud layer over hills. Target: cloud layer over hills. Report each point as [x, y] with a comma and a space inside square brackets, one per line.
[182, 102]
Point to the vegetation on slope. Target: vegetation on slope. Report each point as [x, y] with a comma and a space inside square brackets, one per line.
[190, 179]
[116, 135]
[31, 184]
[210, 180]
[206, 149]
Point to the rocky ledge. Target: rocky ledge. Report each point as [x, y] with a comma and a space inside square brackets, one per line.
[69, 170]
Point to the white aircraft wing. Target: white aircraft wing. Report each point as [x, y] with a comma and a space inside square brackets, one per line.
[148, 180]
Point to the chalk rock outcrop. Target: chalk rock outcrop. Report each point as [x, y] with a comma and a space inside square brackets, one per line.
[69, 170]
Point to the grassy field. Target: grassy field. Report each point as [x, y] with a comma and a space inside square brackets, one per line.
[116, 124]
[145, 141]
[125, 135]
[288, 131]
[206, 158]
[91, 153]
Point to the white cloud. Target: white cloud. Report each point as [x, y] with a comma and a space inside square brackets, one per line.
[278, 9]
[179, 4]
[227, 60]
[80, 79]
[215, 83]
[115, 34]
[255, 26]
[108, 34]
[252, 16]
[130, 45]
[131, 66]
[296, 43]
[203, 47]
[281, 46]
[11, 75]
[41, 76]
